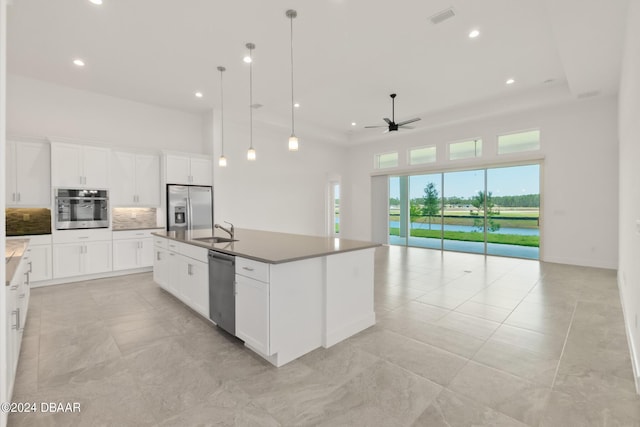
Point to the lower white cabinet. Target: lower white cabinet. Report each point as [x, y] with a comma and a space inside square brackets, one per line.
[252, 313]
[183, 270]
[39, 257]
[161, 267]
[132, 253]
[75, 259]
[40, 263]
[17, 304]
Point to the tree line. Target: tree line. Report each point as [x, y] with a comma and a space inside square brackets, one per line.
[519, 201]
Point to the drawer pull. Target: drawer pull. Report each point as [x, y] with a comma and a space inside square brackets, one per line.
[247, 268]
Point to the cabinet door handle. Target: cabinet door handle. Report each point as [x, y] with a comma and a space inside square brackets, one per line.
[18, 196]
[13, 288]
[28, 278]
[247, 268]
[189, 269]
[157, 256]
[17, 314]
[30, 266]
[13, 197]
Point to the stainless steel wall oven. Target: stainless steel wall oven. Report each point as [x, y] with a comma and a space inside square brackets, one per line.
[80, 208]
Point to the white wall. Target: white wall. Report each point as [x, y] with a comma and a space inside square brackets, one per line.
[3, 304]
[281, 191]
[579, 143]
[629, 131]
[40, 109]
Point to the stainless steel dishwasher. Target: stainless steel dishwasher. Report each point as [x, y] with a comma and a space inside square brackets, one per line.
[222, 298]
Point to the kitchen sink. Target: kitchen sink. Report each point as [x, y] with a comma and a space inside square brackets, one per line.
[215, 239]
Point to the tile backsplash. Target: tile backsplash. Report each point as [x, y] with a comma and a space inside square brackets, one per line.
[28, 221]
[128, 218]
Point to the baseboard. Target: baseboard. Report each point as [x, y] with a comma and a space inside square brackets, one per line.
[635, 361]
[581, 262]
[345, 331]
[63, 280]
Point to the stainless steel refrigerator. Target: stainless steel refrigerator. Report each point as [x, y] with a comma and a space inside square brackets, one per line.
[189, 207]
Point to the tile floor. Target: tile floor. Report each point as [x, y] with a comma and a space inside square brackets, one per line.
[460, 340]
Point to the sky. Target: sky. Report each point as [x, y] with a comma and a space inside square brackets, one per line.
[507, 181]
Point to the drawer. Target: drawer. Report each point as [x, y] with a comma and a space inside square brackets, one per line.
[160, 242]
[195, 252]
[253, 269]
[132, 234]
[75, 236]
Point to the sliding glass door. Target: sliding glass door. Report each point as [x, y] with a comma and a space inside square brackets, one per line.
[464, 211]
[488, 211]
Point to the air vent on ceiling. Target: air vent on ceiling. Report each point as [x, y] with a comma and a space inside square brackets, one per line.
[442, 16]
[589, 94]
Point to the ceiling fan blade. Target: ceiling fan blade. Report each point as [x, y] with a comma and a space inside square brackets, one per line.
[387, 120]
[372, 127]
[386, 131]
[406, 127]
[406, 122]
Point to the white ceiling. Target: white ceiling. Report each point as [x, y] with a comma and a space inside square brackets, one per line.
[349, 54]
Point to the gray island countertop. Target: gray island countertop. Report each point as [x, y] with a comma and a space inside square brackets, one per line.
[13, 252]
[270, 247]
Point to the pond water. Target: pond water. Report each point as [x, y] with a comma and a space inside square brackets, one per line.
[468, 228]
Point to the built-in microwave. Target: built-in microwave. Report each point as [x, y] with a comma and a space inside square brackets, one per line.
[78, 208]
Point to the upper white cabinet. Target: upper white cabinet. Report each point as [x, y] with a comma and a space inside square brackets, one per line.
[28, 174]
[188, 169]
[136, 179]
[79, 166]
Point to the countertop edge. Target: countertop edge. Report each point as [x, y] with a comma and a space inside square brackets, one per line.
[366, 245]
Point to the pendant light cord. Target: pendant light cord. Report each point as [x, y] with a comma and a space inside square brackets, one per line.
[251, 100]
[292, 97]
[221, 110]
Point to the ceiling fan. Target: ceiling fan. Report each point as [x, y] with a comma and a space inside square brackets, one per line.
[392, 126]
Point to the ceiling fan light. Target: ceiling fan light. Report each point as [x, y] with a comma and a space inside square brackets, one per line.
[222, 162]
[293, 143]
[251, 154]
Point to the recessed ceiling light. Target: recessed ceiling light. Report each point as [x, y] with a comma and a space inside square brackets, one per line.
[353, 123]
[98, 2]
[510, 81]
[297, 105]
[78, 62]
[473, 34]
[198, 94]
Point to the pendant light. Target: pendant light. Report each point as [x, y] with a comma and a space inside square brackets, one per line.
[293, 139]
[251, 153]
[222, 161]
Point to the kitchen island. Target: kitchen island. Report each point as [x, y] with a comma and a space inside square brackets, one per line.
[294, 293]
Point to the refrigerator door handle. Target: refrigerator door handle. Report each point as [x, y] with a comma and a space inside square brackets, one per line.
[189, 214]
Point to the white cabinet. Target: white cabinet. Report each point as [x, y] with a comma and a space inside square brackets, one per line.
[38, 256]
[28, 174]
[161, 267]
[194, 284]
[79, 252]
[183, 270]
[17, 304]
[132, 249]
[79, 166]
[136, 179]
[187, 169]
[252, 313]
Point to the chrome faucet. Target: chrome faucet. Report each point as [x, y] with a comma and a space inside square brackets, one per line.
[229, 230]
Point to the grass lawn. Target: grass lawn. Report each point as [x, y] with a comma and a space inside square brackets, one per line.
[505, 239]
